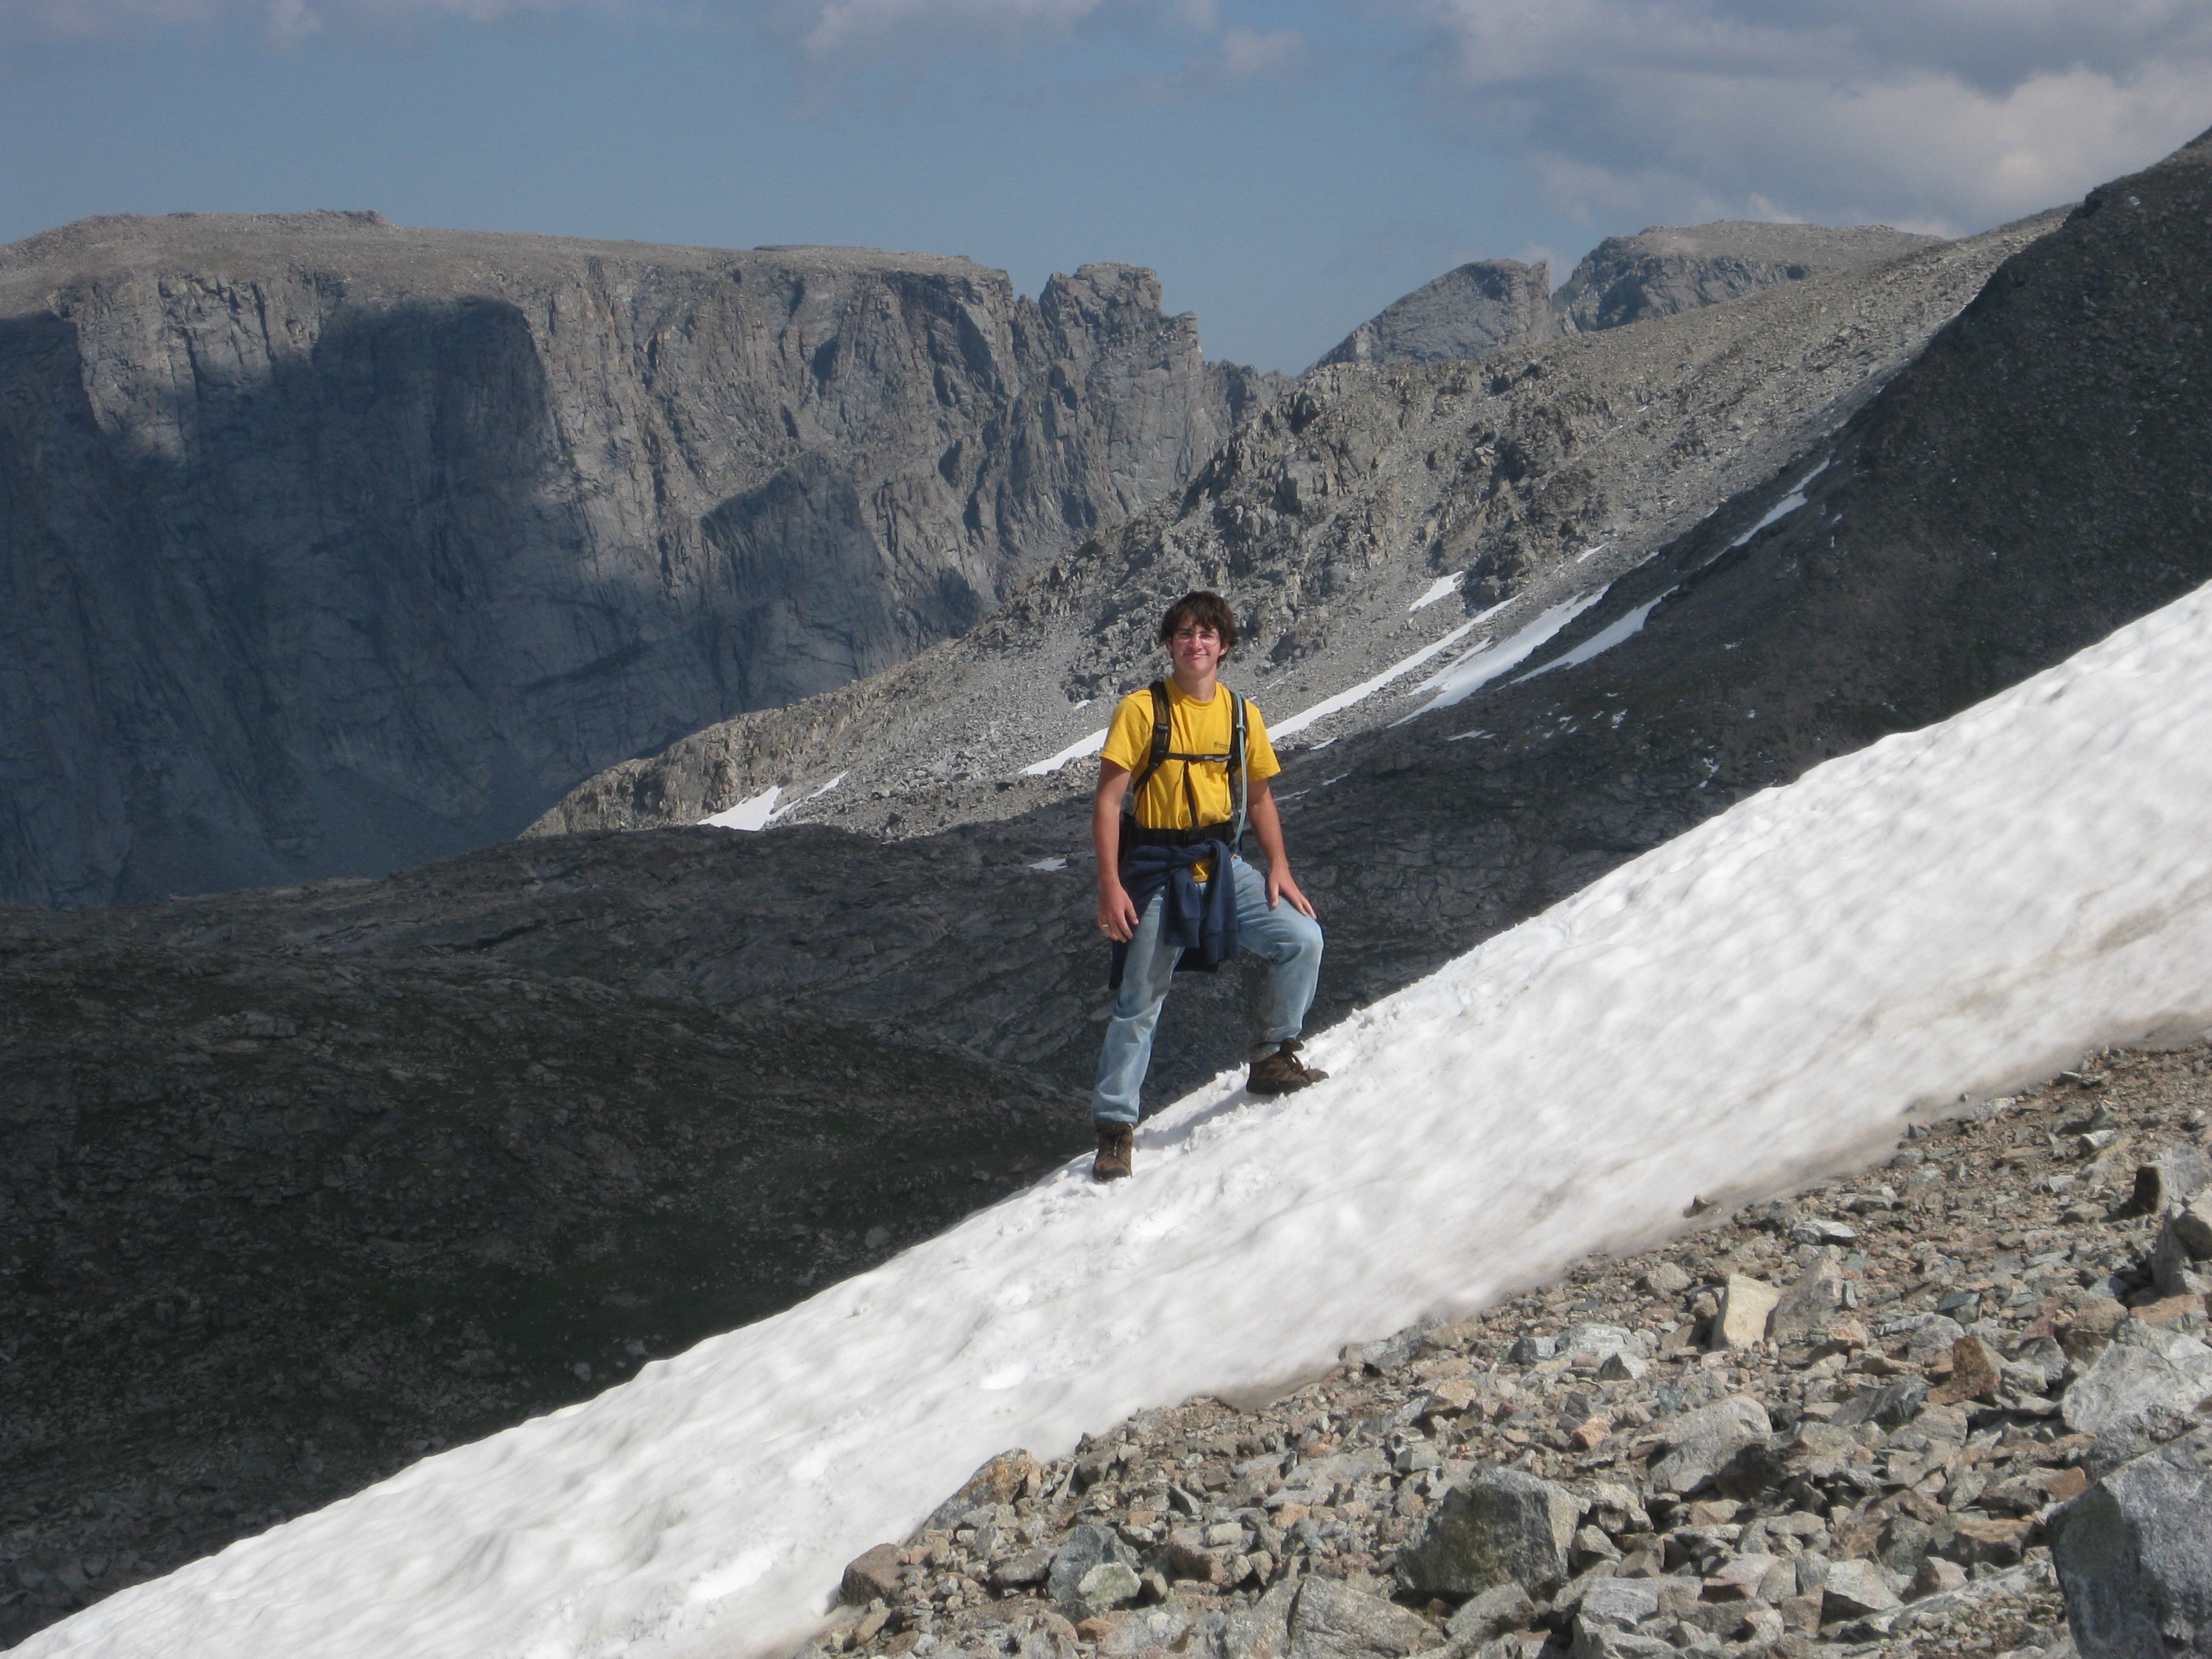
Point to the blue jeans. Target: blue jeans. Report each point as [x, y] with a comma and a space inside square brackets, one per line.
[1284, 937]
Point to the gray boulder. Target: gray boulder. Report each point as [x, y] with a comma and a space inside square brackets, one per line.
[1492, 305]
[1499, 1526]
[1616, 1604]
[2146, 1382]
[1262, 1631]
[1334, 1621]
[1806, 1307]
[1593, 1341]
[2181, 1260]
[2177, 1174]
[1701, 1443]
[2134, 1555]
[1086, 1547]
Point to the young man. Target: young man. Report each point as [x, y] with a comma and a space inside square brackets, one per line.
[1171, 890]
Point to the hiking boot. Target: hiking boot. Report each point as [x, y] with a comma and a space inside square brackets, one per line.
[1117, 1143]
[1281, 1072]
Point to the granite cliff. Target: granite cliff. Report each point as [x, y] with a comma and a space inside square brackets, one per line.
[329, 546]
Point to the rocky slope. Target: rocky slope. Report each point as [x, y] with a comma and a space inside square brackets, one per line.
[1667, 268]
[1523, 479]
[329, 545]
[1855, 1420]
[271, 1230]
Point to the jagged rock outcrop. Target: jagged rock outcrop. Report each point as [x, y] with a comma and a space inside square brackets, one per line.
[1492, 305]
[1667, 268]
[328, 545]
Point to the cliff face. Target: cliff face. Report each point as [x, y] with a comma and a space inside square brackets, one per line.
[327, 546]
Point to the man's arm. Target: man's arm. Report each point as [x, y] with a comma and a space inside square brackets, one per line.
[1117, 916]
[1267, 829]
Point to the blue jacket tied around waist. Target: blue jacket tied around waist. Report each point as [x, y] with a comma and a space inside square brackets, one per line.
[1200, 917]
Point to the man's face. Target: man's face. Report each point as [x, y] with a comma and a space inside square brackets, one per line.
[1196, 648]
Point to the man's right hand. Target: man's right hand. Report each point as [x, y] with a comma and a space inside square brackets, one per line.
[1117, 916]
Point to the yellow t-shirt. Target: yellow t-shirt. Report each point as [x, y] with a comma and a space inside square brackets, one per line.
[1194, 728]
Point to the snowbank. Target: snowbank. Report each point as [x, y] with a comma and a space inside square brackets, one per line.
[1945, 913]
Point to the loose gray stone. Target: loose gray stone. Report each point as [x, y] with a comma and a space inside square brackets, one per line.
[2192, 1227]
[871, 1575]
[1086, 1547]
[1030, 1567]
[1500, 1608]
[1701, 1442]
[1108, 1584]
[1603, 1642]
[1665, 1280]
[1154, 1627]
[1806, 1307]
[1744, 1304]
[1598, 1341]
[1260, 1632]
[1824, 1232]
[1620, 1603]
[1499, 1526]
[1334, 1621]
[1622, 1367]
[1855, 1589]
[2177, 1174]
[2145, 1381]
[2175, 1268]
[2134, 1555]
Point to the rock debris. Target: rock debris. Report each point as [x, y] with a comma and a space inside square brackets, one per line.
[1901, 1412]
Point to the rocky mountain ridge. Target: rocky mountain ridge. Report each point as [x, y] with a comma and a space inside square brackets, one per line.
[1497, 305]
[331, 545]
[1522, 480]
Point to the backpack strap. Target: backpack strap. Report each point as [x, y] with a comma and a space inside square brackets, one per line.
[1162, 733]
[1239, 770]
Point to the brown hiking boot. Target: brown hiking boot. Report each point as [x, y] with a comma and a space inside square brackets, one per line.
[1281, 1072]
[1117, 1144]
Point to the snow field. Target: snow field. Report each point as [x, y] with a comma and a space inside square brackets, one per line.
[1948, 912]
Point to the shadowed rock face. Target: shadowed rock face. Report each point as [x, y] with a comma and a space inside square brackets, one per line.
[1492, 305]
[328, 545]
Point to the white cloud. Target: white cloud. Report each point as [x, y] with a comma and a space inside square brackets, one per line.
[1942, 114]
[1256, 55]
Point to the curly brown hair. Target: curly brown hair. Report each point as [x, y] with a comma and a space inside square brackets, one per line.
[1207, 610]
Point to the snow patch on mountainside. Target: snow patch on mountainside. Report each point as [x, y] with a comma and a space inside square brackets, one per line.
[1943, 913]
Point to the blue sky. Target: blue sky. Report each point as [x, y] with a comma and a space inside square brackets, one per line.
[1288, 168]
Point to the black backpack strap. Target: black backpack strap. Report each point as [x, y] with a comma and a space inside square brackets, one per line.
[1162, 733]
